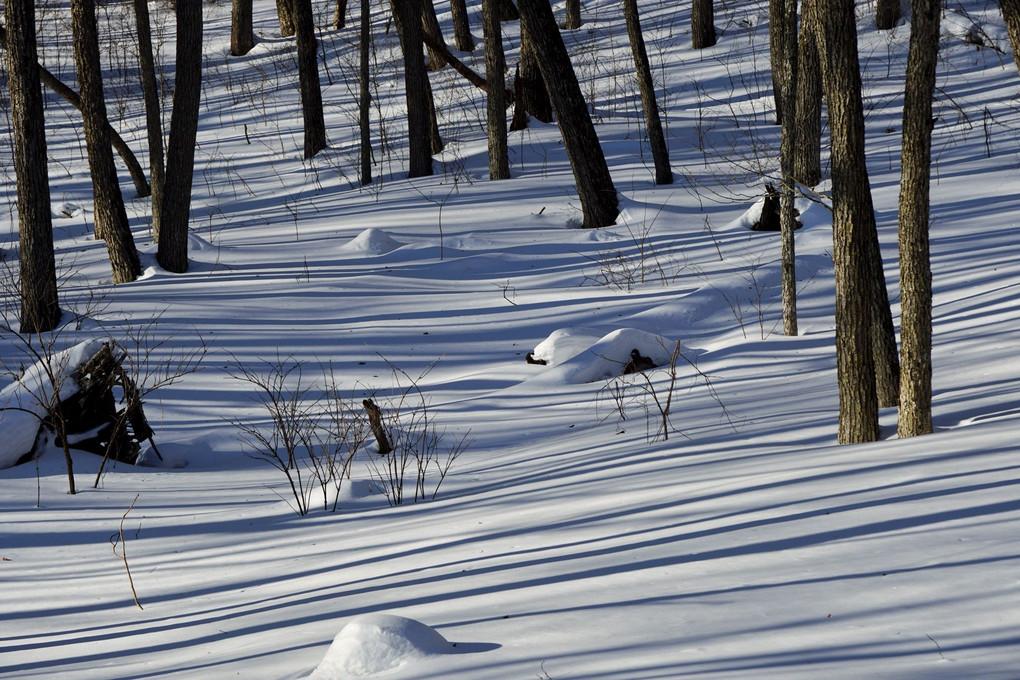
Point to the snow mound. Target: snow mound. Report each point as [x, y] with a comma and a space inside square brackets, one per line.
[372, 242]
[23, 402]
[378, 643]
[579, 358]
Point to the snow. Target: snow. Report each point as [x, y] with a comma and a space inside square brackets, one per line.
[570, 539]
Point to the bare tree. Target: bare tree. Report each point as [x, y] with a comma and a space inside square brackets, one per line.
[572, 19]
[656, 140]
[495, 68]
[852, 219]
[172, 253]
[153, 111]
[40, 310]
[595, 187]
[887, 13]
[340, 15]
[285, 14]
[807, 164]
[787, 219]
[462, 37]
[779, 38]
[1011, 14]
[308, 78]
[242, 34]
[111, 221]
[364, 92]
[914, 417]
[702, 24]
[530, 96]
[407, 14]
[430, 27]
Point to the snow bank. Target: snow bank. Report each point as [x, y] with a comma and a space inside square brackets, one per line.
[578, 357]
[372, 242]
[378, 643]
[23, 402]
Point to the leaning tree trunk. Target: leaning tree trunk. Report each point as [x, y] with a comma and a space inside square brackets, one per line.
[407, 14]
[111, 221]
[1011, 14]
[172, 253]
[914, 417]
[430, 26]
[852, 219]
[40, 309]
[462, 38]
[702, 24]
[495, 74]
[153, 112]
[530, 96]
[807, 163]
[308, 78]
[242, 35]
[788, 145]
[364, 93]
[572, 19]
[656, 140]
[591, 173]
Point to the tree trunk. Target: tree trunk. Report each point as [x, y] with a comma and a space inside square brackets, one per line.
[285, 13]
[779, 38]
[887, 13]
[702, 24]
[462, 38]
[807, 163]
[914, 417]
[507, 11]
[788, 145]
[572, 19]
[111, 221]
[495, 68]
[407, 14]
[852, 219]
[530, 96]
[242, 35]
[430, 26]
[153, 112]
[172, 252]
[656, 140]
[308, 78]
[1011, 15]
[72, 98]
[364, 95]
[40, 309]
[340, 15]
[594, 184]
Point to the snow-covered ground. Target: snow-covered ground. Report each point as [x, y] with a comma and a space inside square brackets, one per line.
[571, 539]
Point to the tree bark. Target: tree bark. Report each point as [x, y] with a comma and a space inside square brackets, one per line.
[914, 417]
[702, 24]
[308, 79]
[365, 95]
[430, 27]
[788, 145]
[779, 38]
[340, 15]
[111, 221]
[495, 68]
[807, 163]
[407, 14]
[462, 38]
[591, 173]
[1011, 15]
[530, 95]
[656, 140]
[40, 309]
[572, 19]
[285, 14]
[172, 253]
[852, 219]
[153, 112]
[242, 34]
[887, 13]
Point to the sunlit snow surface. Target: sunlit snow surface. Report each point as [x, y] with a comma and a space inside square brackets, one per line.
[570, 540]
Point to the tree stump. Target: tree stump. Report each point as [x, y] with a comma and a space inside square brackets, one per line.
[375, 422]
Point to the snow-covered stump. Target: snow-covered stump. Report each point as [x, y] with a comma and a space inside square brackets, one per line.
[71, 394]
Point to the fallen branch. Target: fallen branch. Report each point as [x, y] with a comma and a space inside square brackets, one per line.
[114, 540]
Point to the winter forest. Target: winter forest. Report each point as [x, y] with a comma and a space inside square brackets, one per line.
[593, 339]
